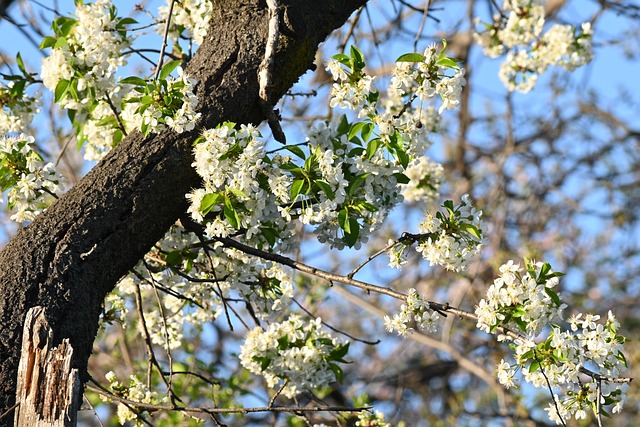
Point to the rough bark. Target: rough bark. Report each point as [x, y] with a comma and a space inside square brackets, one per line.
[72, 255]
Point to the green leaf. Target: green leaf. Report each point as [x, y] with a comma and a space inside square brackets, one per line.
[168, 69]
[368, 206]
[238, 193]
[351, 236]
[296, 188]
[554, 296]
[133, 80]
[208, 202]
[471, 229]
[411, 57]
[401, 178]
[372, 147]
[535, 366]
[66, 26]
[402, 157]
[60, 43]
[356, 183]
[174, 258]
[127, 21]
[231, 214]
[283, 342]
[337, 371]
[448, 204]
[17, 91]
[343, 126]
[270, 235]
[448, 62]
[357, 59]
[339, 352]
[264, 362]
[294, 169]
[343, 219]
[61, 90]
[342, 58]
[295, 150]
[21, 64]
[356, 151]
[355, 129]
[47, 42]
[367, 130]
[326, 189]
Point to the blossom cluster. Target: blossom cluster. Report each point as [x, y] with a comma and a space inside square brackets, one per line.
[416, 310]
[166, 101]
[240, 190]
[452, 237]
[81, 71]
[33, 184]
[199, 282]
[344, 180]
[136, 391]
[425, 177]
[300, 354]
[427, 77]
[530, 51]
[190, 15]
[17, 108]
[523, 300]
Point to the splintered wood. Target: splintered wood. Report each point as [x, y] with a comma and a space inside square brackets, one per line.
[48, 389]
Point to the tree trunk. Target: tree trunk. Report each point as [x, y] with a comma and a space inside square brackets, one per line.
[72, 255]
[49, 391]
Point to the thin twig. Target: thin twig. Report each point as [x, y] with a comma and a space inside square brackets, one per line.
[598, 403]
[166, 339]
[244, 411]
[553, 397]
[8, 411]
[336, 330]
[115, 112]
[442, 308]
[372, 257]
[425, 13]
[164, 41]
[94, 410]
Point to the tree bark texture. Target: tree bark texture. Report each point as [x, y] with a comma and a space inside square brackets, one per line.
[73, 254]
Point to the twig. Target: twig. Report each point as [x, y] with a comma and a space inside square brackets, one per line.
[598, 403]
[164, 41]
[553, 397]
[425, 13]
[338, 331]
[93, 410]
[352, 26]
[372, 257]
[286, 409]
[115, 112]
[169, 384]
[8, 411]
[442, 308]
[265, 73]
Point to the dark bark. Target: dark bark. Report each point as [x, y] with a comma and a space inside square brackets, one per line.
[72, 255]
[4, 5]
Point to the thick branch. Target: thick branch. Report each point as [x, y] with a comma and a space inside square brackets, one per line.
[74, 253]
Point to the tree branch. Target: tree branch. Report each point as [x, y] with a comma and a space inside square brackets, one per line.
[127, 202]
